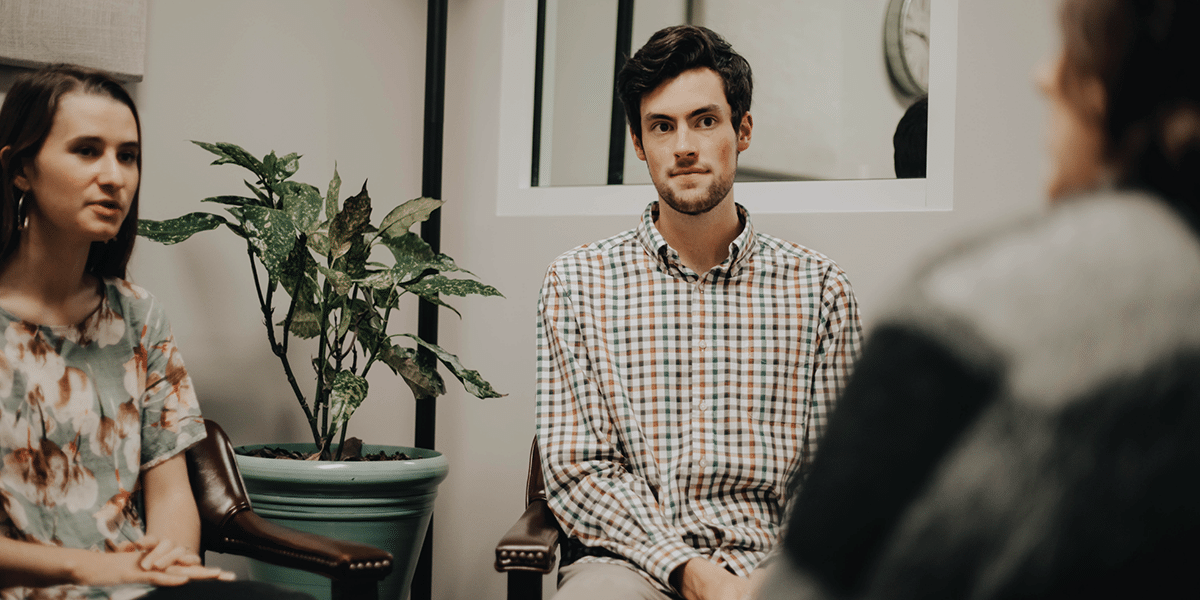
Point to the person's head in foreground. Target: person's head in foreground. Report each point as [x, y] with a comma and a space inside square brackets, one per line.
[1022, 421]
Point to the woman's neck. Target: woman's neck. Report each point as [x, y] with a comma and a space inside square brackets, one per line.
[46, 283]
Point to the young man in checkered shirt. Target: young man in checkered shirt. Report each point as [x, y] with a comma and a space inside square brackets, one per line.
[686, 367]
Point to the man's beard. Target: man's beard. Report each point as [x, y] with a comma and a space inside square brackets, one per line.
[712, 197]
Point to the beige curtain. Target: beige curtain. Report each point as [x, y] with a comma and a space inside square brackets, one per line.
[104, 34]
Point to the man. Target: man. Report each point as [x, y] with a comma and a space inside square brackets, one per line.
[686, 367]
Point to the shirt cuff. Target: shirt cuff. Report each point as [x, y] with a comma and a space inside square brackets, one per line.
[660, 560]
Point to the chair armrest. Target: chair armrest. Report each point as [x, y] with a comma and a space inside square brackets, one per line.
[247, 534]
[531, 543]
[229, 525]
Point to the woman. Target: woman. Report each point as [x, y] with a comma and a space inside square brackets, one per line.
[1023, 421]
[96, 408]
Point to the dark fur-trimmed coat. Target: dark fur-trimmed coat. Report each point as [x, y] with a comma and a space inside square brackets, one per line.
[1024, 423]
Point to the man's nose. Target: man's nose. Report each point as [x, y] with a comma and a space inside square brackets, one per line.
[685, 142]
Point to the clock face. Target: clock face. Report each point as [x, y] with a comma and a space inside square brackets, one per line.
[906, 45]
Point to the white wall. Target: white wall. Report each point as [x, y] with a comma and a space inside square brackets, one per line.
[343, 81]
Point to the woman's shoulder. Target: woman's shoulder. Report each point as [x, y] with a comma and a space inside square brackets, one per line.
[1105, 245]
[126, 289]
[131, 300]
[1095, 287]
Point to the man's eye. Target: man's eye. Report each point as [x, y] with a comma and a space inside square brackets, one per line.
[660, 127]
[708, 122]
[127, 157]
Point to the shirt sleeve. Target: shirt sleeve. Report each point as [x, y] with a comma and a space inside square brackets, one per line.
[171, 421]
[840, 343]
[591, 487]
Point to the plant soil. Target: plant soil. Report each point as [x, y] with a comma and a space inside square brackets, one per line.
[351, 452]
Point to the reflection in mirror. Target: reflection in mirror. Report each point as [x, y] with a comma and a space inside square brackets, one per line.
[831, 82]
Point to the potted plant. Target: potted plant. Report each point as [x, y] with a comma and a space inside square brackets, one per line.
[323, 272]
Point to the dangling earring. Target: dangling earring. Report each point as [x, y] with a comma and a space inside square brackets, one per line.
[22, 218]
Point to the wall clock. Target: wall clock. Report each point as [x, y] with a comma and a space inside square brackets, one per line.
[906, 45]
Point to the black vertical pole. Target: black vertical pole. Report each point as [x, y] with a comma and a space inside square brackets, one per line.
[539, 58]
[431, 232]
[616, 135]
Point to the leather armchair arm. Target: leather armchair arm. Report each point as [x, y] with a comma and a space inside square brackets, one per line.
[229, 525]
[531, 543]
[247, 534]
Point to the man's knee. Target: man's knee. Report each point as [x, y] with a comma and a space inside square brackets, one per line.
[604, 581]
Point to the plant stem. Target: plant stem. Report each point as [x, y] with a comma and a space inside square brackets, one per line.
[322, 396]
[276, 348]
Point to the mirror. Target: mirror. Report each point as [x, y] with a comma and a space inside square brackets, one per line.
[826, 99]
[830, 182]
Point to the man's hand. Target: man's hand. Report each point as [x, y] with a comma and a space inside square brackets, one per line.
[699, 579]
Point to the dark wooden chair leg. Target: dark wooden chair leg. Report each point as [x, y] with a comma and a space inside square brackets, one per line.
[355, 590]
[524, 585]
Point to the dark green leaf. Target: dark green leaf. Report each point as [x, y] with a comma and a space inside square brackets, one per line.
[318, 241]
[432, 297]
[298, 274]
[270, 166]
[230, 200]
[288, 165]
[454, 287]
[397, 222]
[263, 200]
[423, 381]
[332, 193]
[176, 230]
[232, 154]
[348, 227]
[380, 280]
[272, 235]
[340, 281]
[414, 256]
[349, 391]
[472, 382]
[302, 202]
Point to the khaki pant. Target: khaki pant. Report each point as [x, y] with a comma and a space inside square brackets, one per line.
[604, 581]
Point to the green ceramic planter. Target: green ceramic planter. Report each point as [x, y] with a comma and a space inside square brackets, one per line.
[386, 504]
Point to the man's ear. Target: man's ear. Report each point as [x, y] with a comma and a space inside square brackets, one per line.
[744, 130]
[637, 145]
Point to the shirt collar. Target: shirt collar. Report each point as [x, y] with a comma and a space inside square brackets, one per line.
[741, 249]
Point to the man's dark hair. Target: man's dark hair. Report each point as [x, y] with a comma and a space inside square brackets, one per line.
[911, 140]
[676, 49]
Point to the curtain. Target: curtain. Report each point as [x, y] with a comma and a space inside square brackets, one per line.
[103, 34]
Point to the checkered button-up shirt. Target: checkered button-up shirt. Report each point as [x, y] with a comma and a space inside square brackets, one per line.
[672, 408]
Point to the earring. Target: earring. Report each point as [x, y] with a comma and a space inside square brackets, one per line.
[22, 218]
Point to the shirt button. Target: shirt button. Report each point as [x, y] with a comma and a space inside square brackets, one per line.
[703, 406]
[702, 462]
[703, 344]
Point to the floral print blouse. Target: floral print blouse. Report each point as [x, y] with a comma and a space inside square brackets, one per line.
[84, 409]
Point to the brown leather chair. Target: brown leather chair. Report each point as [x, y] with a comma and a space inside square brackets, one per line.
[528, 551]
[228, 525]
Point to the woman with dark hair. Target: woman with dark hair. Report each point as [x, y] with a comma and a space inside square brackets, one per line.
[1023, 420]
[96, 408]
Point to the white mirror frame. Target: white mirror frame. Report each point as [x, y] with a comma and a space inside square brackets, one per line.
[515, 197]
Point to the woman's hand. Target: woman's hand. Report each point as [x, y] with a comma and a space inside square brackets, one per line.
[161, 556]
